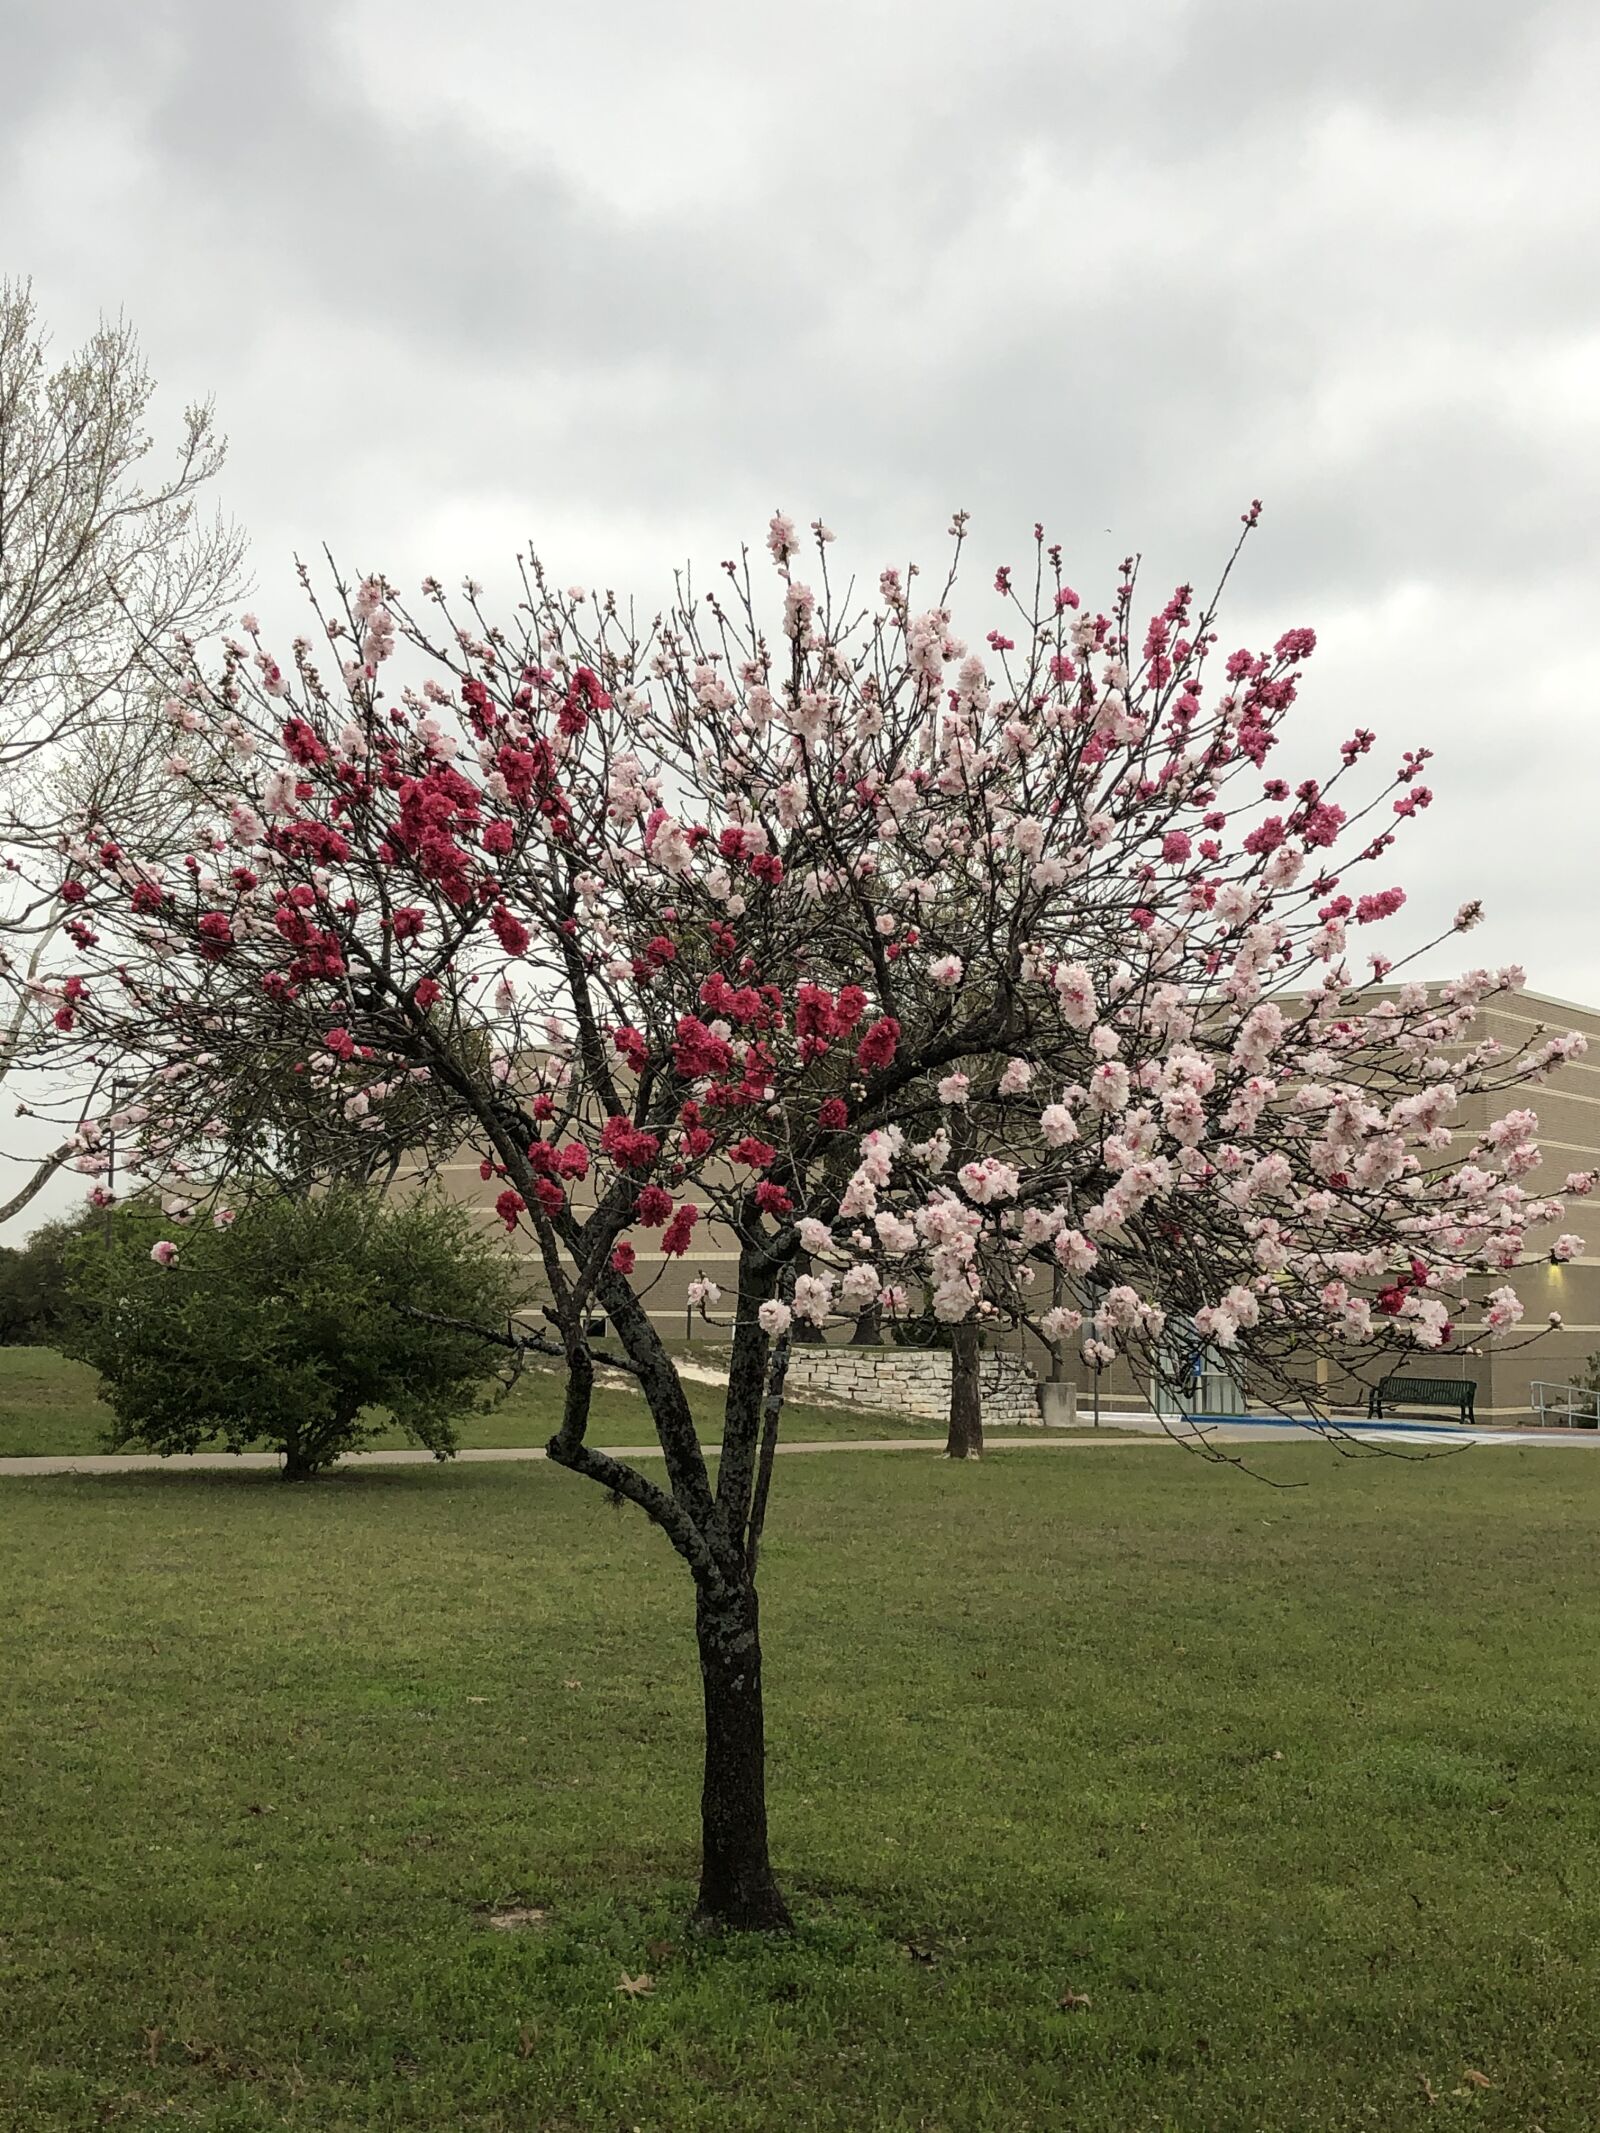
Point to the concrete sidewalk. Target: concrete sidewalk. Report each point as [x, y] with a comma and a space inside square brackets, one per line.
[140, 1463]
[1147, 1431]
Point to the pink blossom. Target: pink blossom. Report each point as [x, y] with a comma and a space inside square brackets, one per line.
[1075, 991]
[1382, 905]
[878, 1045]
[989, 1180]
[1058, 1125]
[1109, 1087]
[1504, 1310]
[1075, 1251]
[813, 1298]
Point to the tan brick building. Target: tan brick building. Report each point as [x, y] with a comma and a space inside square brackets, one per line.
[1568, 1107]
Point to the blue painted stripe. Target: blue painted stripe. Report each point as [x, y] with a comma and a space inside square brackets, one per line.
[1302, 1422]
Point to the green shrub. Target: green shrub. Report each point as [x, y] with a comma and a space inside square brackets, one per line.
[33, 1286]
[281, 1329]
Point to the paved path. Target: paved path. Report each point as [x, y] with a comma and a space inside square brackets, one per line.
[1147, 1433]
[136, 1463]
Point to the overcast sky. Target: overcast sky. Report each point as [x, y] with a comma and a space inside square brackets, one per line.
[622, 278]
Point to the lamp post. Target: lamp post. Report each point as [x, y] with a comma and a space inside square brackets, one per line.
[115, 1085]
[1058, 1292]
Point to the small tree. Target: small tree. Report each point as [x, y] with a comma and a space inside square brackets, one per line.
[284, 1326]
[708, 915]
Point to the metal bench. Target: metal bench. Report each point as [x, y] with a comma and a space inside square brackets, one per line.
[1422, 1392]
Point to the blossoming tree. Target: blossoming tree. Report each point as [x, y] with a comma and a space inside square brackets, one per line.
[921, 968]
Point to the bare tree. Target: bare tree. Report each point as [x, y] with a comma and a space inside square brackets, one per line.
[101, 562]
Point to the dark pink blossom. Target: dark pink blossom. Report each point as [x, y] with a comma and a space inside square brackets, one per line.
[877, 1048]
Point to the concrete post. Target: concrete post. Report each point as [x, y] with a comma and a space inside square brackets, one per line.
[1060, 1404]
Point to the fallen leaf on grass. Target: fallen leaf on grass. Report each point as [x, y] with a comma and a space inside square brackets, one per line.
[636, 1988]
[1429, 2093]
[515, 1916]
[659, 1950]
[1475, 2080]
[153, 2041]
[526, 2041]
[1073, 2002]
[572, 1684]
[477, 1699]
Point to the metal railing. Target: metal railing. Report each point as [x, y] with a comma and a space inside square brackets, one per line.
[1565, 1406]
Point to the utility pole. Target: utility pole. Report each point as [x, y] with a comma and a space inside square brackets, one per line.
[116, 1085]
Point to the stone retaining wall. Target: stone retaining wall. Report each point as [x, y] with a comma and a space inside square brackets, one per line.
[911, 1381]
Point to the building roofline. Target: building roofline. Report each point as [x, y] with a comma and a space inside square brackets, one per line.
[1547, 999]
[1389, 987]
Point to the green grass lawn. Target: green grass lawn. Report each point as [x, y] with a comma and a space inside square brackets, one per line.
[49, 1406]
[1296, 1790]
[52, 1408]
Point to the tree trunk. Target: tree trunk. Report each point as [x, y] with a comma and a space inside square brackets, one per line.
[737, 1888]
[965, 1440]
[311, 1451]
[869, 1328]
[298, 1464]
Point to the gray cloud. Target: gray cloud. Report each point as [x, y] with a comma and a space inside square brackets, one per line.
[624, 278]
